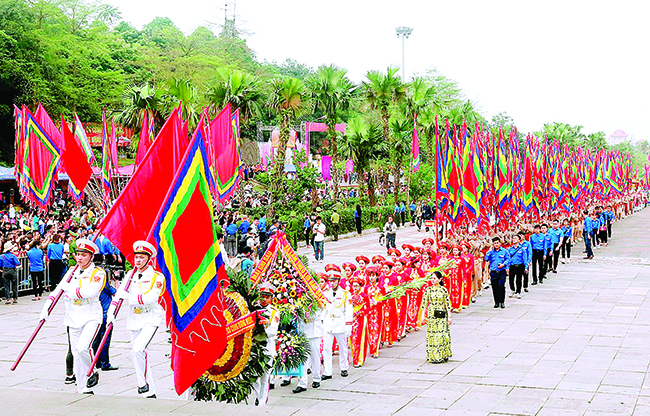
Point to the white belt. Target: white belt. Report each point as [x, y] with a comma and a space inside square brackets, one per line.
[142, 309]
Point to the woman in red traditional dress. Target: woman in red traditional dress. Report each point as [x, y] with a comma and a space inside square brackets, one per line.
[375, 313]
[363, 262]
[455, 279]
[348, 272]
[387, 281]
[426, 265]
[414, 298]
[360, 309]
[403, 276]
[408, 251]
[468, 271]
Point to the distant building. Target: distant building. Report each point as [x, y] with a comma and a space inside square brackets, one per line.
[619, 136]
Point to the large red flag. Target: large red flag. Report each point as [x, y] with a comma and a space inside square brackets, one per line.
[190, 259]
[134, 211]
[113, 147]
[226, 156]
[74, 159]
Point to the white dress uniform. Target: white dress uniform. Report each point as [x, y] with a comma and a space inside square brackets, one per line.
[144, 316]
[83, 315]
[313, 330]
[261, 386]
[337, 323]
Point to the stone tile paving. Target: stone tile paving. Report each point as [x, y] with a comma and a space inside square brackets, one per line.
[577, 345]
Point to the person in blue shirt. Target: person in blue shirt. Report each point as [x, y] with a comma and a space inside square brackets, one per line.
[243, 227]
[105, 298]
[556, 237]
[306, 226]
[594, 230]
[402, 213]
[261, 229]
[587, 234]
[231, 238]
[10, 263]
[529, 257]
[567, 237]
[36, 270]
[499, 262]
[602, 225]
[609, 216]
[538, 245]
[55, 260]
[518, 263]
[412, 209]
[548, 250]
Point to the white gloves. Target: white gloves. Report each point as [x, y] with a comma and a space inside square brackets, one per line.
[110, 318]
[43, 315]
[348, 330]
[66, 286]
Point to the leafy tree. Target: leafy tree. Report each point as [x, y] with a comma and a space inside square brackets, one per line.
[363, 142]
[291, 68]
[331, 92]
[597, 141]
[242, 90]
[287, 99]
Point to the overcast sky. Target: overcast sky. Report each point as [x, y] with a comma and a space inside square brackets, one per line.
[577, 62]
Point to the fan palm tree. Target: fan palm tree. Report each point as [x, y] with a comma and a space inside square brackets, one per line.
[140, 98]
[419, 102]
[401, 131]
[287, 99]
[381, 91]
[363, 142]
[331, 92]
[241, 89]
[182, 92]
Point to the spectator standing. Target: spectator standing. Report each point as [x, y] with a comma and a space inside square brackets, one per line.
[10, 263]
[357, 219]
[36, 271]
[586, 233]
[402, 213]
[261, 229]
[319, 239]
[231, 238]
[390, 228]
[55, 260]
[335, 224]
[306, 226]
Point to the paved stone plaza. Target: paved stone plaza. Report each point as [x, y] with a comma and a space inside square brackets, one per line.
[577, 345]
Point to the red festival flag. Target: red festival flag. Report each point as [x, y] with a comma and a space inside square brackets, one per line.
[190, 259]
[415, 146]
[74, 159]
[225, 152]
[134, 211]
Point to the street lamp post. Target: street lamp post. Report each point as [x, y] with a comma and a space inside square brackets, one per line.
[404, 32]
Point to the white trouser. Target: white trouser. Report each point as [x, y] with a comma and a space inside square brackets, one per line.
[81, 342]
[140, 340]
[342, 340]
[261, 387]
[313, 362]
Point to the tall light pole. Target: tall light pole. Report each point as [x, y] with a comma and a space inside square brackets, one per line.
[404, 32]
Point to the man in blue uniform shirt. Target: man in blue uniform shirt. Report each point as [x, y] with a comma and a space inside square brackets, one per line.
[586, 233]
[538, 245]
[499, 261]
[556, 237]
[518, 259]
[529, 257]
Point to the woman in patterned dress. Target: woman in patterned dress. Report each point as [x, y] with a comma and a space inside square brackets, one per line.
[387, 281]
[360, 308]
[375, 313]
[436, 301]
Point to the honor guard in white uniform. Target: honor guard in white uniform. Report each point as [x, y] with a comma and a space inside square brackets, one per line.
[337, 323]
[270, 319]
[312, 327]
[83, 310]
[144, 313]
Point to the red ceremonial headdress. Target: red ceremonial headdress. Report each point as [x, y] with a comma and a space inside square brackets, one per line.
[394, 252]
[378, 259]
[427, 240]
[364, 258]
[350, 266]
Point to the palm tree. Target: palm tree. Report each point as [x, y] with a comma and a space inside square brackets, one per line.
[383, 92]
[363, 142]
[287, 100]
[184, 93]
[241, 89]
[419, 102]
[137, 99]
[401, 131]
[331, 92]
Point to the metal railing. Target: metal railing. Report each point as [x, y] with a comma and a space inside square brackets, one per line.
[25, 284]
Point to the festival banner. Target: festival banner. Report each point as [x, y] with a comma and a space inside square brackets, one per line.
[415, 146]
[82, 138]
[190, 259]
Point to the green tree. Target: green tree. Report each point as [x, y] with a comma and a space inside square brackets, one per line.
[363, 142]
[242, 90]
[597, 141]
[287, 99]
[331, 92]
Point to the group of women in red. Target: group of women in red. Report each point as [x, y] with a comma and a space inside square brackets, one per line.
[382, 322]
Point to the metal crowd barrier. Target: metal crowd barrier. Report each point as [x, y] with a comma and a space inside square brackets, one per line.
[25, 284]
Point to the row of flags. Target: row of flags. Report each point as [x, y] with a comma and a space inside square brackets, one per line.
[42, 151]
[484, 174]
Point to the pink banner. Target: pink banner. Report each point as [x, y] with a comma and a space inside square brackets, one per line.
[319, 127]
[326, 166]
[349, 166]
